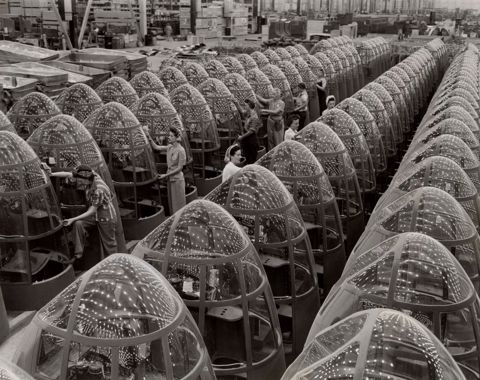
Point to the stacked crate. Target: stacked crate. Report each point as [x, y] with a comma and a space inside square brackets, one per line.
[236, 18]
[4, 7]
[209, 22]
[185, 17]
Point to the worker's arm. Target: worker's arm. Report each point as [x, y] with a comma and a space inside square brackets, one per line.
[276, 111]
[263, 100]
[181, 163]
[62, 175]
[91, 211]
[48, 170]
[322, 84]
[246, 134]
[153, 144]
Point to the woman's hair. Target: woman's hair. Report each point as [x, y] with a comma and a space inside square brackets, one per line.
[175, 132]
[292, 118]
[302, 86]
[250, 103]
[84, 172]
[329, 98]
[231, 152]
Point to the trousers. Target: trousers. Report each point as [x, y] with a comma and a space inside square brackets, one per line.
[274, 132]
[106, 229]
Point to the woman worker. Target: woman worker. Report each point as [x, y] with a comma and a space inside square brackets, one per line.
[176, 158]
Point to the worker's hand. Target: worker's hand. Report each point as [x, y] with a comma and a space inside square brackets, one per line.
[68, 222]
[46, 168]
[146, 131]
[161, 176]
[239, 138]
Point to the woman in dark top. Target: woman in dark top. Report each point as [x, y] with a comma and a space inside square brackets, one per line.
[248, 140]
[322, 93]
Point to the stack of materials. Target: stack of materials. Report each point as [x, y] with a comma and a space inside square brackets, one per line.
[13, 52]
[51, 82]
[98, 76]
[15, 88]
[136, 62]
[116, 64]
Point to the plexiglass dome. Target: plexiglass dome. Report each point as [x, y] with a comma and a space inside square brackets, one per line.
[283, 54]
[376, 108]
[200, 123]
[464, 94]
[356, 71]
[330, 75]
[224, 108]
[272, 56]
[120, 136]
[293, 76]
[301, 49]
[347, 70]
[147, 82]
[25, 188]
[430, 211]
[339, 73]
[305, 179]
[346, 128]
[413, 70]
[233, 65]
[6, 124]
[78, 101]
[451, 147]
[247, 62]
[64, 143]
[439, 172]
[443, 126]
[333, 156]
[314, 65]
[118, 90]
[9, 371]
[33, 246]
[399, 100]
[239, 87]
[194, 73]
[266, 210]
[260, 83]
[440, 105]
[157, 113]
[215, 69]
[413, 84]
[308, 77]
[393, 113]
[170, 62]
[378, 344]
[172, 78]
[68, 142]
[415, 274]
[279, 80]
[260, 59]
[207, 257]
[401, 82]
[129, 157]
[366, 122]
[294, 53]
[321, 46]
[119, 320]
[30, 112]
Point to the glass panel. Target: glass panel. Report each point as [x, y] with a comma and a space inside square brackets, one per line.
[50, 353]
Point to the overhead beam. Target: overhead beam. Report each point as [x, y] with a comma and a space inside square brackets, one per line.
[84, 24]
[62, 26]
